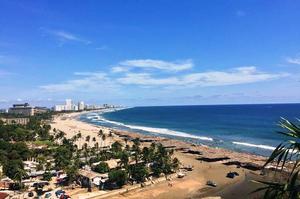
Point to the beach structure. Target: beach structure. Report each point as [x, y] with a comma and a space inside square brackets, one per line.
[91, 178]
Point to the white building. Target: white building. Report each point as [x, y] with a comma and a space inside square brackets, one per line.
[81, 106]
[74, 107]
[59, 108]
[69, 105]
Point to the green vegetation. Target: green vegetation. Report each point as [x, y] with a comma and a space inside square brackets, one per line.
[286, 152]
[47, 176]
[102, 167]
[134, 162]
[56, 152]
[14, 140]
[118, 176]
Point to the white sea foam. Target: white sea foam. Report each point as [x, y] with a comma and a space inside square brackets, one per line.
[267, 147]
[156, 130]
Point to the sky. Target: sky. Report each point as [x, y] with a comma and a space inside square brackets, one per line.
[149, 52]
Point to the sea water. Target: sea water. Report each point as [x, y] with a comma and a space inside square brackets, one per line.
[244, 128]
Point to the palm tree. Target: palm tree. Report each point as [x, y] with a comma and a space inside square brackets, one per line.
[136, 149]
[87, 138]
[124, 159]
[79, 136]
[74, 138]
[100, 133]
[60, 135]
[287, 151]
[86, 154]
[96, 145]
[104, 138]
[20, 174]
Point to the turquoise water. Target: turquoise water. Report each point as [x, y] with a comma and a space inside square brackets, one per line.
[246, 128]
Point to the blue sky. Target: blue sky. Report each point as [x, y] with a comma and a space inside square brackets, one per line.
[142, 52]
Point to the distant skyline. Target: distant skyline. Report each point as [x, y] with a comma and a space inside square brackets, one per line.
[142, 52]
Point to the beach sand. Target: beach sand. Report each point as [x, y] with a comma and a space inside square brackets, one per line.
[191, 186]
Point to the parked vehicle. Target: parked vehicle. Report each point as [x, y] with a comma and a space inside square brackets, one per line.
[30, 194]
[232, 174]
[58, 193]
[48, 195]
[180, 175]
[211, 183]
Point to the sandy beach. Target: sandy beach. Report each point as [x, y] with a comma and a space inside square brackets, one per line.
[208, 164]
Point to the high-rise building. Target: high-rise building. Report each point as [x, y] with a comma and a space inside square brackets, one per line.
[74, 107]
[81, 106]
[69, 105]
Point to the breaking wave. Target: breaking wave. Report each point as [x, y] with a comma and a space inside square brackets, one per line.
[164, 131]
[261, 146]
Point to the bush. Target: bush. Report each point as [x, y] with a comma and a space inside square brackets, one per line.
[139, 172]
[118, 176]
[47, 176]
[101, 168]
[116, 147]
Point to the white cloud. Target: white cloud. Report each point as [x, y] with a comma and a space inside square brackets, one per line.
[146, 79]
[240, 75]
[64, 36]
[158, 64]
[89, 82]
[121, 76]
[119, 69]
[293, 60]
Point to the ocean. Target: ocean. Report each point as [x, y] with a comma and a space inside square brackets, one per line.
[243, 128]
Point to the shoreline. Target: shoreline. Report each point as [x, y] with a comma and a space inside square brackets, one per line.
[257, 148]
[181, 142]
[209, 163]
[209, 150]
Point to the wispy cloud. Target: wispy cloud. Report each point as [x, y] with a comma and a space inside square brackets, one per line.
[64, 36]
[157, 64]
[235, 76]
[95, 81]
[295, 60]
[119, 69]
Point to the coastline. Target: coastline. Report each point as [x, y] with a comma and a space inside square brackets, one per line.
[210, 150]
[209, 163]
